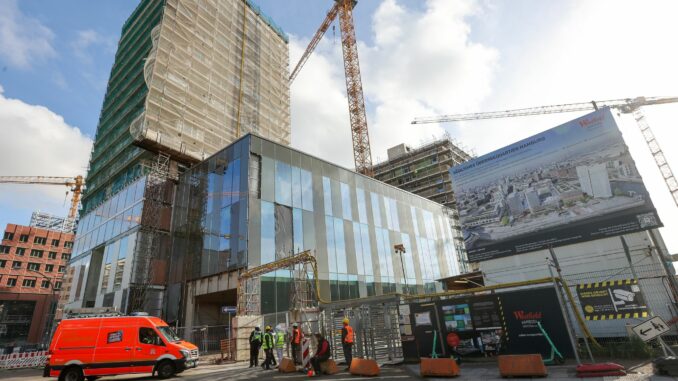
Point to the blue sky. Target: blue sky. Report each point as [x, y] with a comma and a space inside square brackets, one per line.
[417, 58]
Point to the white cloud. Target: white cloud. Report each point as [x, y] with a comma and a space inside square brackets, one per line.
[591, 51]
[88, 38]
[23, 40]
[37, 142]
[421, 63]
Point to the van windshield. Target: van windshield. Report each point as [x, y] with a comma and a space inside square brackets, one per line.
[169, 334]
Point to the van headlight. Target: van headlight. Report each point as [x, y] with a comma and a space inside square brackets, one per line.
[185, 353]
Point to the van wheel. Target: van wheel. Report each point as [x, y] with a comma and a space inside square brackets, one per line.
[73, 373]
[165, 369]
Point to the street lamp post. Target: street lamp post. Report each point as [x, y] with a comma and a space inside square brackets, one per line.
[400, 249]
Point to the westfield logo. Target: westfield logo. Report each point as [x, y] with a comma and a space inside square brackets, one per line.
[522, 315]
[589, 121]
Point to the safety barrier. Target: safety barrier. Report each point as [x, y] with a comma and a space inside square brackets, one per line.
[364, 367]
[305, 352]
[329, 367]
[287, 366]
[441, 367]
[23, 360]
[522, 366]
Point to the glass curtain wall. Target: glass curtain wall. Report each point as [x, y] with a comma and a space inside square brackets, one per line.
[351, 222]
[257, 201]
[210, 212]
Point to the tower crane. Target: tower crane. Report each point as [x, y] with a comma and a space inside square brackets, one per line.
[76, 185]
[354, 88]
[625, 106]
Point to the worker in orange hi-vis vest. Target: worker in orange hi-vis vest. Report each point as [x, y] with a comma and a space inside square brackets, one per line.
[295, 340]
[347, 340]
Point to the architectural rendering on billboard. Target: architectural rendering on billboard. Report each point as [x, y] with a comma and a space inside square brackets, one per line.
[572, 183]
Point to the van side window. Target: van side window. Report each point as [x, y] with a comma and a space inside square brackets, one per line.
[148, 336]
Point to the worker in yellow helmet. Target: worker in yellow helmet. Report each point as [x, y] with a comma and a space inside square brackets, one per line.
[347, 340]
[267, 346]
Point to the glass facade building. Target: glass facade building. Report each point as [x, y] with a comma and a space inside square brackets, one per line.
[103, 252]
[257, 201]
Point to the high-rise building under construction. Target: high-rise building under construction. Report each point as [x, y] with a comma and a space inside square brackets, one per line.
[189, 77]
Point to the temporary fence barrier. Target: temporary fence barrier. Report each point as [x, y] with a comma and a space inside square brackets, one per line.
[306, 352]
[23, 360]
[375, 325]
[208, 339]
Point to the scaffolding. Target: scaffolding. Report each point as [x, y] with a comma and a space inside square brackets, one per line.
[182, 71]
[51, 222]
[216, 71]
[149, 256]
[305, 294]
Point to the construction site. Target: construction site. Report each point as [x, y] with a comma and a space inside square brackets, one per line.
[196, 209]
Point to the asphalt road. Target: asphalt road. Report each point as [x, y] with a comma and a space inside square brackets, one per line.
[236, 372]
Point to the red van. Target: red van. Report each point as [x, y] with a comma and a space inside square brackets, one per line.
[105, 346]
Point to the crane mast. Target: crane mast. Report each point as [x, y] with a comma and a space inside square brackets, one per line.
[631, 106]
[362, 153]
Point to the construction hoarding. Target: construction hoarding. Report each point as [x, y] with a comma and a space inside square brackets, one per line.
[479, 325]
[572, 183]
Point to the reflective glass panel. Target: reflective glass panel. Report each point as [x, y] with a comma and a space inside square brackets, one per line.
[283, 183]
[306, 190]
[376, 211]
[327, 196]
[267, 232]
[346, 201]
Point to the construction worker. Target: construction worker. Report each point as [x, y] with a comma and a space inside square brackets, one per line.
[255, 344]
[321, 355]
[268, 349]
[347, 339]
[279, 343]
[295, 340]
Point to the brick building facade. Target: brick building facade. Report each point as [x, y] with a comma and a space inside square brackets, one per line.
[32, 264]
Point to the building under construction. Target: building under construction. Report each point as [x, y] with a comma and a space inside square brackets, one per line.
[189, 78]
[424, 171]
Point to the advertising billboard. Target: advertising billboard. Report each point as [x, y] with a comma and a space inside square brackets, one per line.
[572, 183]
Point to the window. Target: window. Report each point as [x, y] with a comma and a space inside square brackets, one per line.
[20, 251]
[2, 263]
[34, 266]
[11, 282]
[23, 238]
[148, 336]
[49, 268]
[52, 255]
[44, 284]
[40, 240]
[55, 242]
[62, 268]
[57, 285]
[16, 265]
[8, 235]
[28, 283]
[68, 244]
[36, 253]
[4, 249]
[65, 256]
[346, 201]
